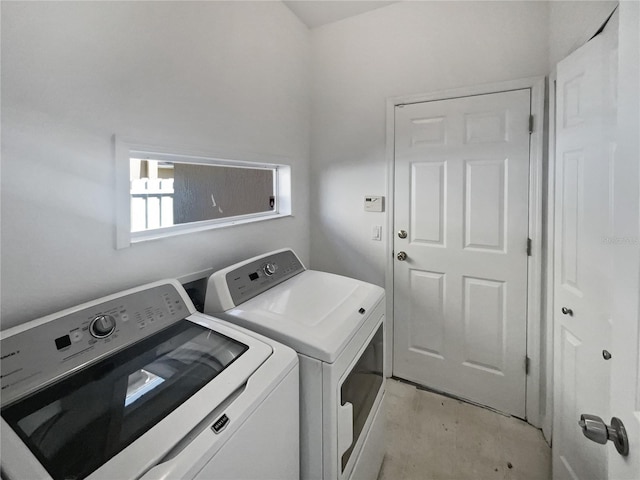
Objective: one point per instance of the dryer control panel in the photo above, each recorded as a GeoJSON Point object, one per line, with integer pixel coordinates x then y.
{"type": "Point", "coordinates": [252, 279]}
{"type": "Point", "coordinates": [42, 351]}
{"type": "Point", "coordinates": [238, 283]}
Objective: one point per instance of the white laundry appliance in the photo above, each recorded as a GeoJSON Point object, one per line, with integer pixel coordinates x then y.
{"type": "Point", "coordinates": [138, 385]}
{"type": "Point", "coordinates": [336, 324]}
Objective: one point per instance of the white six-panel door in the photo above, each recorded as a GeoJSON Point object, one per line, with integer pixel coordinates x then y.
{"type": "Point", "coordinates": [625, 364]}
{"type": "Point", "coordinates": [460, 297]}
{"type": "Point", "coordinates": [584, 163]}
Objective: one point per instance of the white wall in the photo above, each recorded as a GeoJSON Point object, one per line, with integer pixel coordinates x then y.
{"type": "Point", "coordinates": [402, 49]}
{"type": "Point", "coordinates": [572, 24]}
{"type": "Point", "coordinates": [405, 48]}
{"type": "Point", "coordinates": [209, 76]}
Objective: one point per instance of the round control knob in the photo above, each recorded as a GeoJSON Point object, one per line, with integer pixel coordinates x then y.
{"type": "Point", "coordinates": [102, 326]}
{"type": "Point", "coordinates": [269, 269]}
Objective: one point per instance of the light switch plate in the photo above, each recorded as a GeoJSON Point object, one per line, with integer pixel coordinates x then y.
{"type": "Point", "coordinates": [373, 204]}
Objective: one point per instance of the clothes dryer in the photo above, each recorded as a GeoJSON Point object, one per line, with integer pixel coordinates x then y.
{"type": "Point", "coordinates": [336, 324]}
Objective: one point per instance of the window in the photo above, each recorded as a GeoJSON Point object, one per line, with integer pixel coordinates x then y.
{"type": "Point", "coordinates": [162, 194]}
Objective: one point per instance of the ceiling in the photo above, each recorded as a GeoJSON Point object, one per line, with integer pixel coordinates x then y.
{"type": "Point", "coordinates": [315, 13]}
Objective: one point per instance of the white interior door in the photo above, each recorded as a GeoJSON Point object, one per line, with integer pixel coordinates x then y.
{"type": "Point", "coordinates": [460, 295]}
{"type": "Point", "coordinates": [625, 348]}
{"type": "Point", "coordinates": [585, 148]}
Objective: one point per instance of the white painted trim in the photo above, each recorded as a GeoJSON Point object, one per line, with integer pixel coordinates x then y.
{"type": "Point", "coordinates": [530, 82]}
{"type": "Point", "coordinates": [122, 201]}
{"type": "Point", "coordinates": [534, 304]}
{"type": "Point", "coordinates": [388, 278]}
{"type": "Point", "coordinates": [124, 149]}
{"type": "Point", "coordinates": [536, 156]}
{"type": "Point", "coordinates": [193, 227]}
{"type": "Point", "coordinates": [547, 419]}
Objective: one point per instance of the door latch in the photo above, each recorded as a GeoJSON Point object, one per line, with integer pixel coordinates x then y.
{"type": "Point", "coordinates": [596, 430]}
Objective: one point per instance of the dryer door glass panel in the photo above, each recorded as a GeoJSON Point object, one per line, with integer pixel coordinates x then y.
{"type": "Point", "coordinates": [361, 388]}
{"type": "Point", "coordinates": [77, 424]}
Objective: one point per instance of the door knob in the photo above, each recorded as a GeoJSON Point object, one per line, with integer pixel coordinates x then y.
{"type": "Point", "coordinates": [402, 234]}
{"type": "Point", "coordinates": [597, 431]}
{"type": "Point", "coordinates": [567, 311]}
{"type": "Point", "coordinates": [401, 256]}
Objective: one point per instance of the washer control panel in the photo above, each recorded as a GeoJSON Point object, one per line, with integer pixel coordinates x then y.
{"type": "Point", "coordinates": [259, 275]}
{"type": "Point", "coordinates": [43, 350]}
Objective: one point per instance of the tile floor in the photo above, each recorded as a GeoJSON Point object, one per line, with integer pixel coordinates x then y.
{"type": "Point", "coordinates": [432, 437]}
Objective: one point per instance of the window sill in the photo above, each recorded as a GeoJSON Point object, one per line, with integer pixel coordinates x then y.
{"type": "Point", "coordinates": [159, 233]}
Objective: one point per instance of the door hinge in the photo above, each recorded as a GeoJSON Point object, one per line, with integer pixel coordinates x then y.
{"type": "Point", "coordinates": [528, 247]}
{"type": "Point", "coordinates": [530, 123]}
{"type": "Point", "coordinates": [526, 365]}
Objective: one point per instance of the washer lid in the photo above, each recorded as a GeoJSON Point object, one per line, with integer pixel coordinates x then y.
{"type": "Point", "coordinates": [315, 313]}
{"type": "Point", "coordinates": [120, 415]}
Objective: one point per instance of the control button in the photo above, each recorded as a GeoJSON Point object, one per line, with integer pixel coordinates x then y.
{"type": "Point", "coordinates": [76, 336]}
{"type": "Point", "coordinates": [361, 311]}
{"type": "Point", "coordinates": [124, 317]}
{"type": "Point", "coordinates": [102, 326]}
{"type": "Point", "coordinates": [269, 269]}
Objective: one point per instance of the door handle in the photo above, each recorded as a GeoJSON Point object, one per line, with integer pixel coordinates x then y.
{"type": "Point", "coordinates": [402, 256]}
{"type": "Point", "coordinates": [567, 311]}
{"type": "Point", "coordinates": [596, 430]}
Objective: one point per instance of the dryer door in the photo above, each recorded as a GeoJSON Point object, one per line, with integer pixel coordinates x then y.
{"type": "Point", "coordinates": [358, 393]}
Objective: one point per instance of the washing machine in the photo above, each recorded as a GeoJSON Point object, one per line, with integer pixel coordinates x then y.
{"type": "Point", "coordinates": [138, 385]}
{"type": "Point", "coordinates": [336, 324]}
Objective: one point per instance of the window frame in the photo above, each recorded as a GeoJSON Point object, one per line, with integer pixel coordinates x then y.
{"type": "Point", "coordinates": [124, 150]}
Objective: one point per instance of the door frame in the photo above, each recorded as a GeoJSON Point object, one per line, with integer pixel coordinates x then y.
{"type": "Point", "coordinates": [536, 377]}
{"type": "Point", "coordinates": [549, 257]}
